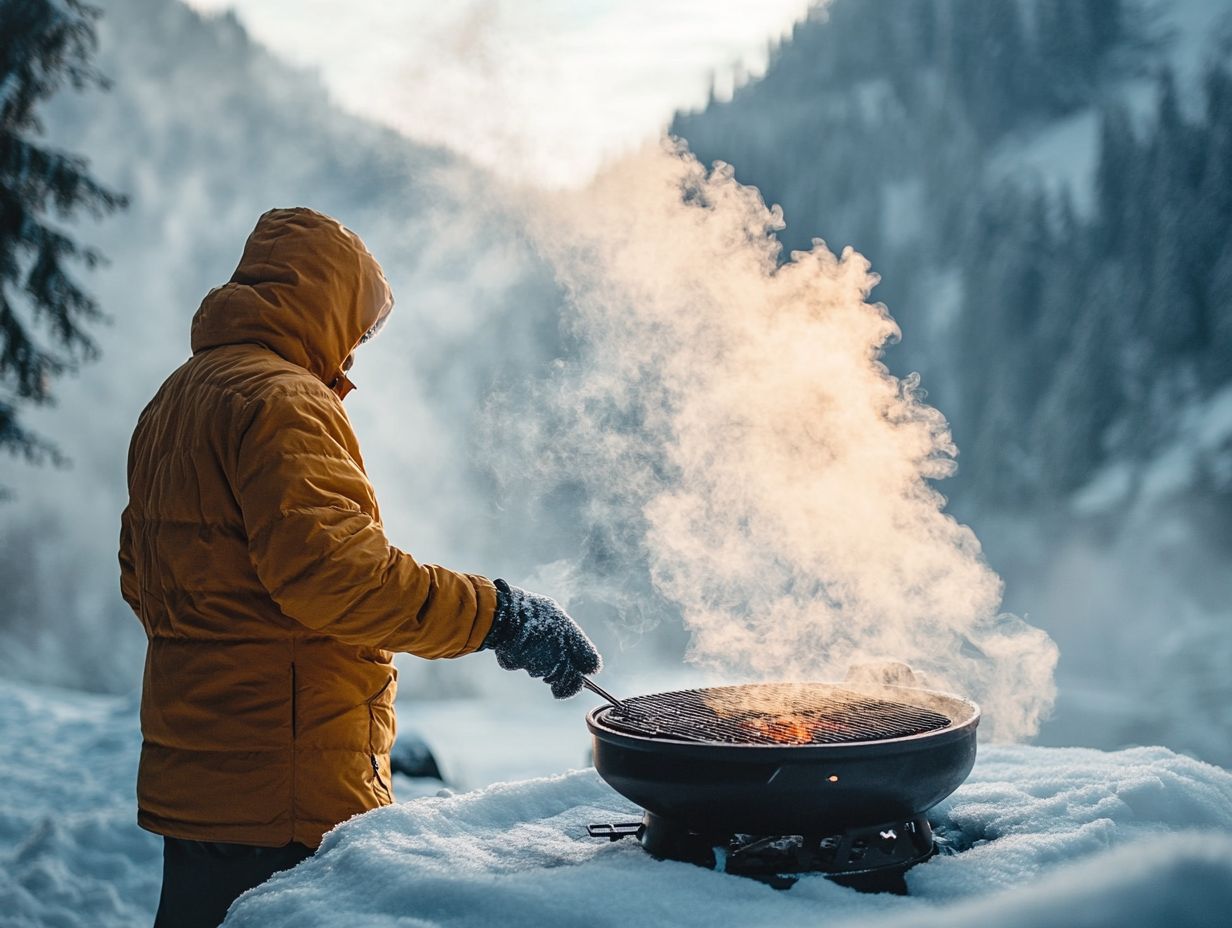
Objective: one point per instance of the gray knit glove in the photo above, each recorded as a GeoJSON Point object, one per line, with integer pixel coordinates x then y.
{"type": "Point", "coordinates": [533, 633]}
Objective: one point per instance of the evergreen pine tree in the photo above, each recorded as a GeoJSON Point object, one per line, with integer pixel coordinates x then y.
{"type": "Point", "coordinates": [1066, 51]}
{"type": "Point", "coordinates": [44, 314]}
{"type": "Point", "coordinates": [1218, 361]}
{"type": "Point", "coordinates": [1106, 24]}
{"type": "Point", "coordinates": [1115, 184]}
{"type": "Point", "coordinates": [991, 68]}
{"type": "Point", "coordinates": [1083, 396]}
{"type": "Point", "coordinates": [1173, 309]}
{"type": "Point", "coordinates": [1213, 226]}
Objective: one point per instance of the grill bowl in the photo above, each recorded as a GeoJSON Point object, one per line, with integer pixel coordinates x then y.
{"type": "Point", "coordinates": [718, 788]}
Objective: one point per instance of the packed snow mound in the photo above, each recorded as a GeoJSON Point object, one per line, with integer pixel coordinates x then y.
{"type": "Point", "coordinates": [1035, 837]}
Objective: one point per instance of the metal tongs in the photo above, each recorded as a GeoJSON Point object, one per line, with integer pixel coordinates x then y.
{"type": "Point", "coordinates": [602, 693]}
{"type": "Point", "coordinates": [618, 704]}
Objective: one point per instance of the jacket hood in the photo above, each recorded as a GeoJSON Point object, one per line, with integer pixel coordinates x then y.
{"type": "Point", "coordinates": [306, 288]}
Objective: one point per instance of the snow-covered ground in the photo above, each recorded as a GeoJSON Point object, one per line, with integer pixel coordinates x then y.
{"type": "Point", "coordinates": [1042, 837]}
{"type": "Point", "coordinates": [1047, 837]}
{"type": "Point", "coordinates": [71, 853]}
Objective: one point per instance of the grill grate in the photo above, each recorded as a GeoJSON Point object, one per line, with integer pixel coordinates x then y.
{"type": "Point", "coordinates": [772, 714]}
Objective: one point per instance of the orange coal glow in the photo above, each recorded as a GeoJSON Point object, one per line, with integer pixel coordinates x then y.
{"type": "Point", "coordinates": [796, 728]}
{"type": "Point", "coordinates": [787, 729]}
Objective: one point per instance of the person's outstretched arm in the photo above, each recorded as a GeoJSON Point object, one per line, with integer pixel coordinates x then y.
{"type": "Point", "coordinates": [310, 515]}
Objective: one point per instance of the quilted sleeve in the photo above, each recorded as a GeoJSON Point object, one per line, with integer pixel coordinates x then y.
{"type": "Point", "coordinates": [319, 549]}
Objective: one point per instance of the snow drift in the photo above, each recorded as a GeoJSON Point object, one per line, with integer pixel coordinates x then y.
{"type": "Point", "coordinates": [1035, 837]}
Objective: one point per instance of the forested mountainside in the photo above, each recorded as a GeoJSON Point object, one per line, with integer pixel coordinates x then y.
{"type": "Point", "coordinates": [1050, 212]}
{"type": "Point", "coordinates": [204, 130]}
{"type": "Point", "coordinates": [1044, 187]}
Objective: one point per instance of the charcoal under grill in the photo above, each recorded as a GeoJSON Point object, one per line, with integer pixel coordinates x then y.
{"type": "Point", "coordinates": [847, 771]}
{"type": "Point", "coordinates": [772, 714]}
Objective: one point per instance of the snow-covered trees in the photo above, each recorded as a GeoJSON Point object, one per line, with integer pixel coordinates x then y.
{"type": "Point", "coordinates": [1058, 252]}
{"type": "Point", "coordinates": [44, 314]}
{"type": "Point", "coordinates": [1080, 325]}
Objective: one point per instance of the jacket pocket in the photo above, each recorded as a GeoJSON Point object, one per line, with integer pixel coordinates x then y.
{"type": "Point", "coordinates": [380, 786]}
{"type": "Point", "coordinates": [381, 721]}
{"type": "Point", "coordinates": [381, 730]}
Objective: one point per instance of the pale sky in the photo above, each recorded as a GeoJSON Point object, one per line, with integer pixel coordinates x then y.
{"type": "Point", "coordinates": [540, 90]}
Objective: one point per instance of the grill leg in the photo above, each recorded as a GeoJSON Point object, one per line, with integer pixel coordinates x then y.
{"type": "Point", "coordinates": [664, 838]}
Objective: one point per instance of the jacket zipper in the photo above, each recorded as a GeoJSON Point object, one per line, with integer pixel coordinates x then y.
{"type": "Point", "coordinates": [376, 764]}
{"type": "Point", "coordinates": [376, 772]}
{"type": "Point", "coordinates": [294, 695]}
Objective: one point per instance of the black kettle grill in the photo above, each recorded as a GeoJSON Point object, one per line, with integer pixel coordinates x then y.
{"type": "Point", "coordinates": [776, 778]}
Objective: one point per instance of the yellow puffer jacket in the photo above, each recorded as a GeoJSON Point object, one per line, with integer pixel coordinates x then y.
{"type": "Point", "coordinates": [253, 552]}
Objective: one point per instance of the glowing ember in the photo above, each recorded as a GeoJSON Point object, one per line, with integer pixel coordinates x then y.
{"type": "Point", "coordinates": [788, 729]}
{"type": "Point", "coordinates": [797, 728]}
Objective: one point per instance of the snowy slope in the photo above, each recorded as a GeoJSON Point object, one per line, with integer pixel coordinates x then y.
{"type": "Point", "coordinates": [1041, 837]}
{"type": "Point", "coordinates": [1062, 154]}
{"type": "Point", "coordinates": [1047, 837]}
{"type": "Point", "coordinates": [70, 849]}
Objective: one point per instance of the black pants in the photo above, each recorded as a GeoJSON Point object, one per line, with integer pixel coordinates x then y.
{"type": "Point", "coordinates": [202, 878]}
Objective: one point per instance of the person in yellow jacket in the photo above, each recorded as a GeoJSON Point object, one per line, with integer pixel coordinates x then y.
{"type": "Point", "coordinates": [253, 552]}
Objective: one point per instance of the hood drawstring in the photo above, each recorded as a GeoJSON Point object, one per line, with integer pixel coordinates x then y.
{"type": "Point", "coordinates": [341, 385]}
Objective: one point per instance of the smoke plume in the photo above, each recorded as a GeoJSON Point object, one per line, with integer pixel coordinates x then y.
{"type": "Point", "coordinates": [737, 436]}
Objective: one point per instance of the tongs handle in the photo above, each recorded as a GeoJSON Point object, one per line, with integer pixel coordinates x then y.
{"type": "Point", "coordinates": [602, 693]}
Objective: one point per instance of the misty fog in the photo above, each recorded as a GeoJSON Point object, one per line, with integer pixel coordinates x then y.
{"type": "Point", "coordinates": [633, 394]}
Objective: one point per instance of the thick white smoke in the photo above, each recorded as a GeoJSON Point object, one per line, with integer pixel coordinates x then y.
{"type": "Point", "coordinates": [735, 430]}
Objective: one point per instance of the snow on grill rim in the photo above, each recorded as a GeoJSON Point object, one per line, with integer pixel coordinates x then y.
{"type": "Point", "coordinates": [755, 713]}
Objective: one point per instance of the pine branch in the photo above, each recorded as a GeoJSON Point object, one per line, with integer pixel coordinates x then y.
{"type": "Point", "coordinates": [47, 44]}
{"type": "Point", "coordinates": [16, 440]}
{"type": "Point", "coordinates": [39, 178]}
{"type": "Point", "coordinates": [62, 35]}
